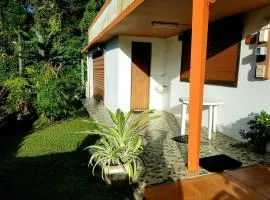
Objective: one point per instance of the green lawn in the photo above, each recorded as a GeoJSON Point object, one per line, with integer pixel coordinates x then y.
{"type": "Point", "coordinates": [50, 164]}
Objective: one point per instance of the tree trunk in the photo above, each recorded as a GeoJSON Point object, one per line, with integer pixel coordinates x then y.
{"type": "Point", "coordinates": [20, 54]}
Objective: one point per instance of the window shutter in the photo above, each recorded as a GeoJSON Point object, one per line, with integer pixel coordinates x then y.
{"type": "Point", "coordinates": [223, 46]}
{"type": "Point", "coordinates": [98, 73]}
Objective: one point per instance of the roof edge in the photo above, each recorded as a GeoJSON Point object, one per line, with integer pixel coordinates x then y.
{"type": "Point", "coordinates": [116, 21]}
{"type": "Point", "coordinates": [107, 2]}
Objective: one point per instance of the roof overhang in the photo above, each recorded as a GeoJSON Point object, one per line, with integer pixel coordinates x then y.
{"type": "Point", "coordinates": [136, 17]}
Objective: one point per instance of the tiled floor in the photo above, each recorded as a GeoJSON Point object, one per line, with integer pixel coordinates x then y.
{"type": "Point", "coordinates": [252, 183]}
{"type": "Point", "coordinates": [166, 159]}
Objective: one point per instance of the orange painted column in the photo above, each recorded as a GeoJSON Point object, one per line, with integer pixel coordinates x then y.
{"type": "Point", "coordinates": [200, 17]}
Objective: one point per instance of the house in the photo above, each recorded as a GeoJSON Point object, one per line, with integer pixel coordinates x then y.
{"type": "Point", "coordinates": [139, 58]}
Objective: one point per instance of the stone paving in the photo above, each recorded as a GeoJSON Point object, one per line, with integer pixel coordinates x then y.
{"type": "Point", "coordinates": [166, 158]}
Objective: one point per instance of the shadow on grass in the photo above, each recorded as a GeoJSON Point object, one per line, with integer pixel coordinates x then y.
{"type": "Point", "coordinates": [53, 176]}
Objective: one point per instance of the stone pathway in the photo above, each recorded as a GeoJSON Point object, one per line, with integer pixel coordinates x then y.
{"type": "Point", "coordinates": [166, 158]}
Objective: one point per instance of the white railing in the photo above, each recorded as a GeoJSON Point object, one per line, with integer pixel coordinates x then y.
{"type": "Point", "coordinates": [111, 12]}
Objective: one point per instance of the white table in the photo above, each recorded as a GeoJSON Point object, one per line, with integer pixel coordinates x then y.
{"type": "Point", "coordinates": [212, 114]}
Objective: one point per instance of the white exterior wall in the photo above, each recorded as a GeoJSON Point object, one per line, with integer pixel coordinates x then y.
{"type": "Point", "coordinates": [250, 96]}
{"type": "Point", "coordinates": [117, 84]}
{"type": "Point", "coordinates": [111, 82]}
{"type": "Point", "coordinates": [172, 71]}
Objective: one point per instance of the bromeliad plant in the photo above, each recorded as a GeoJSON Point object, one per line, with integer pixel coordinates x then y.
{"type": "Point", "coordinates": [120, 145]}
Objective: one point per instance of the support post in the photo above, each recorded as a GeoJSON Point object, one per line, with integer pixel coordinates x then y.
{"type": "Point", "coordinates": [200, 17]}
{"type": "Point", "coordinates": [89, 85]}
{"type": "Point", "coordinates": [82, 72]}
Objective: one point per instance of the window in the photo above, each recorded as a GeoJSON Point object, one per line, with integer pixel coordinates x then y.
{"type": "Point", "coordinates": [224, 37]}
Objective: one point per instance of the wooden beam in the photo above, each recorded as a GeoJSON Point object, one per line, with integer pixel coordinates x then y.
{"type": "Point", "coordinates": [200, 18]}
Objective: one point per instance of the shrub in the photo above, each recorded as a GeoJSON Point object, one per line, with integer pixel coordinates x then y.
{"type": "Point", "coordinates": [3, 95]}
{"type": "Point", "coordinates": [259, 134]}
{"type": "Point", "coordinates": [51, 93]}
{"type": "Point", "coordinates": [8, 66]}
{"type": "Point", "coordinates": [57, 94]}
{"type": "Point", "coordinates": [19, 100]}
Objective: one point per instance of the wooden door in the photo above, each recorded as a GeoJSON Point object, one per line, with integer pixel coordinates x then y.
{"type": "Point", "coordinates": [98, 72]}
{"type": "Point", "coordinates": [140, 78]}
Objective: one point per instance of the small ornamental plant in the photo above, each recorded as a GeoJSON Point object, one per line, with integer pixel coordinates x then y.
{"type": "Point", "coordinates": [119, 149]}
{"type": "Point", "coordinates": [258, 134]}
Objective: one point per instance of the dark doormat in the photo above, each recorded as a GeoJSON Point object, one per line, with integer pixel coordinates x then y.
{"type": "Point", "coordinates": [182, 139]}
{"type": "Point", "coordinates": [219, 163]}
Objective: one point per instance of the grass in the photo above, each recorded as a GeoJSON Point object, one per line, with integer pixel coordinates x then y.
{"type": "Point", "coordinates": [50, 164]}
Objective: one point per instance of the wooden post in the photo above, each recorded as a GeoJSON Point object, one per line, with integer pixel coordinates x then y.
{"type": "Point", "coordinates": [200, 17]}
{"type": "Point", "coordinates": [82, 71]}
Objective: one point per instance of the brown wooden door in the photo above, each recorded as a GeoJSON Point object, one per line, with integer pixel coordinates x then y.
{"type": "Point", "coordinates": [140, 78]}
{"type": "Point", "coordinates": [98, 72]}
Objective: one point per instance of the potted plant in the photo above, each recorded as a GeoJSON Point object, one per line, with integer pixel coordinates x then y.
{"type": "Point", "coordinates": [258, 135]}
{"type": "Point", "coordinates": [119, 149]}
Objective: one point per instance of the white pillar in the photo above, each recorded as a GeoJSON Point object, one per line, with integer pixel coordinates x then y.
{"type": "Point", "coordinates": [90, 81]}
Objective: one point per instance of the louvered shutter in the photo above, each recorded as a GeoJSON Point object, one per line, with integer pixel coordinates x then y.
{"type": "Point", "coordinates": [98, 68]}
{"type": "Point", "coordinates": [223, 46]}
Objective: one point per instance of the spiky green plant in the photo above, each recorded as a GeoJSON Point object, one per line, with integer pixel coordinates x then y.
{"type": "Point", "coordinates": [120, 144]}
{"type": "Point", "coordinates": [3, 94]}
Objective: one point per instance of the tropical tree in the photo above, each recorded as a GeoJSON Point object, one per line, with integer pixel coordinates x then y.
{"type": "Point", "coordinates": [38, 37]}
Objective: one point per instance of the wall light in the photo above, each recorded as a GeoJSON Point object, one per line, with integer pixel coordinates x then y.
{"type": "Point", "coordinates": [164, 25]}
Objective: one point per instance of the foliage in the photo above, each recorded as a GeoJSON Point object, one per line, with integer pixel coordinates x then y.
{"type": "Point", "coordinates": [259, 134]}
{"type": "Point", "coordinates": [42, 122]}
{"type": "Point", "coordinates": [8, 66]}
{"type": "Point", "coordinates": [43, 49]}
{"type": "Point", "coordinates": [3, 94]}
{"type": "Point", "coordinates": [19, 98]}
{"type": "Point", "coordinates": [92, 8]}
{"type": "Point", "coordinates": [120, 144]}
{"type": "Point", "coordinates": [46, 38]}
{"type": "Point", "coordinates": [57, 94]}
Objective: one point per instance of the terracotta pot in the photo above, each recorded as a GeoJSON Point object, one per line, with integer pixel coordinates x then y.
{"type": "Point", "coordinates": [117, 177]}
{"type": "Point", "coordinates": [251, 39]}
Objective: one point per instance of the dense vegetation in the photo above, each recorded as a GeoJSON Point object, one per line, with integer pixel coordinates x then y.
{"type": "Point", "coordinates": [40, 43]}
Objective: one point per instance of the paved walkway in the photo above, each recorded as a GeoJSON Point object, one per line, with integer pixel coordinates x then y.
{"type": "Point", "coordinates": [166, 159]}
{"type": "Point", "coordinates": [252, 183]}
